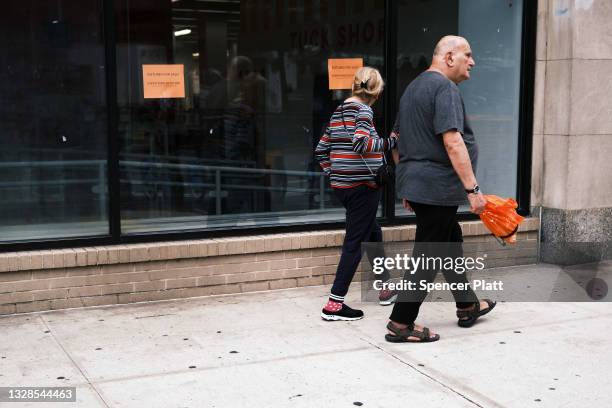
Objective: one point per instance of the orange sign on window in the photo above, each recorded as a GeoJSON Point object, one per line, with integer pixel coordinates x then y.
{"type": "Point", "coordinates": [163, 81]}
{"type": "Point", "coordinates": [342, 71]}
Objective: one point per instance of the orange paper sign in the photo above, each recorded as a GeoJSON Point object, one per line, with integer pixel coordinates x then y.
{"type": "Point", "coordinates": [163, 81]}
{"type": "Point", "coordinates": [342, 71]}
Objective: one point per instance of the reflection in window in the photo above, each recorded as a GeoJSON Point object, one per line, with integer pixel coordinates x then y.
{"type": "Point", "coordinates": [237, 150]}
{"type": "Point", "coordinates": [52, 120]}
{"type": "Point", "coordinates": [492, 94]}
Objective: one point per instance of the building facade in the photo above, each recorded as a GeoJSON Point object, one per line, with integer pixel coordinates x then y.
{"type": "Point", "coordinates": [163, 149]}
{"type": "Point", "coordinates": [572, 128]}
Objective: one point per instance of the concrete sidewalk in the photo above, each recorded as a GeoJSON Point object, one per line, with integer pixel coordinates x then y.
{"type": "Point", "coordinates": [273, 350]}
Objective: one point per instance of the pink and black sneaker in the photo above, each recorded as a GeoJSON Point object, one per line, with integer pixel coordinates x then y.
{"type": "Point", "coordinates": [387, 297]}
{"type": "Point", "coordinates": [343, 313]}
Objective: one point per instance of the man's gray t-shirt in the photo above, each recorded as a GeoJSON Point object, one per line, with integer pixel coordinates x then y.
{"type": "Point", "coordinates": [430, 106]}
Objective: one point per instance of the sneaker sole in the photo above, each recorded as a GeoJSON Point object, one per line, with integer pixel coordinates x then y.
{"type": "Point", "coordinates": [389, 301]}
{"type": "Point", "coordinates": [332, 318]}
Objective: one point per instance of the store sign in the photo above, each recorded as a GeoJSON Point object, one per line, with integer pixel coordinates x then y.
{"type": "Point", "coordinates": [355, 34]}
{"type": "Point", "coordinates": [342, 71]}
{"type": "Point", "coordinates": [163, 81]}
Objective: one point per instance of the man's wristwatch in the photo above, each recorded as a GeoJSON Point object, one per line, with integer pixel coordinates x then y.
{"type": "Point", "coordinates": [475, 190]}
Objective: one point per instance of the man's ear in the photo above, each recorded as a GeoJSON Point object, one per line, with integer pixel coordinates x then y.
{"type": "Point", "coordinates": [450, 61]}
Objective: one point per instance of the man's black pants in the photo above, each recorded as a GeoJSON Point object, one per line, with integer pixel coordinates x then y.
{"type": "Point", "coordinates": [435, 224]}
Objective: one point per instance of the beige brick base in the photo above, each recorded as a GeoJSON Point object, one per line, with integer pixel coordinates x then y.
{"type": "Point", "coordinates": [60, 279]}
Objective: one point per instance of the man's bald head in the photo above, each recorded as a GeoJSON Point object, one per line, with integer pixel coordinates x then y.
{"type": "Point", "coordinates": [452, 57]}
{"type": "Point", "coordinates": [448, 43]}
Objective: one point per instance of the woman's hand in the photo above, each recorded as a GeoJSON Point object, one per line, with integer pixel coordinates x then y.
{"type": "Point", "coordinates": [406, 205]}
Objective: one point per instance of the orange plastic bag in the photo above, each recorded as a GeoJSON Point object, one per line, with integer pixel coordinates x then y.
{"type": "Point", "coordinates": [501, 218]}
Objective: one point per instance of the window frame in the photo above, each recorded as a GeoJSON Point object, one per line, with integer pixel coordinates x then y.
{"type": "Point", "coordinates": [525, 140]}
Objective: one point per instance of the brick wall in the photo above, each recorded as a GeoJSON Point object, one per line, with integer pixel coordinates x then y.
{"type": "Point", "coordinates": [60, 279]}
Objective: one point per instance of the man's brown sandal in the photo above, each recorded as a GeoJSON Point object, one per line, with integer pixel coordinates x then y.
{"type": "Point", "coordinates": [467, 318]}
{"type": "Point", "coordinates": [403, 335]}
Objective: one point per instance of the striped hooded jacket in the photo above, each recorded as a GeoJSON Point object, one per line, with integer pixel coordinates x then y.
{"type": "Point", "coordinates": [350, 140]}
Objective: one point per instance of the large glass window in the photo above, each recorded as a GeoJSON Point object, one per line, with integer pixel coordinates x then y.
{"type": "Point", "coordinates": [231, 143]}
{"type": "Point", "coordinates": [491, 96]}
{"type": "Point", "coordinates": [220, 106]}
{"type": "Point", "coordinates": [52, 120]}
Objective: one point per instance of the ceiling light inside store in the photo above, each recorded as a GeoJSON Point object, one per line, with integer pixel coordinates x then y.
{"type": "Point", "coordinates": [196, 54]}
{"type": "Point", "coordinates": [182, 32]}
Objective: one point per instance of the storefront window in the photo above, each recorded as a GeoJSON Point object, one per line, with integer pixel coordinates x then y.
{"type": "Point", "coordinates": [53, 161]}
{"type": "Point", "coordinates": [233, 145]}
{"type": "Point", "coordinates": [491, 96]}
{"type": "Point", "coordinates": [220, 104]}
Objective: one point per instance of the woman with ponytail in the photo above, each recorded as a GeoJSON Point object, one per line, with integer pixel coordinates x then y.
{"type": "Point", "coordinates": [349, 152]}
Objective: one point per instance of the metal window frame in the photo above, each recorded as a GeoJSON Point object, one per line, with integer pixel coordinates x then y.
{"type": "Point", "coordinates": [528, 58]}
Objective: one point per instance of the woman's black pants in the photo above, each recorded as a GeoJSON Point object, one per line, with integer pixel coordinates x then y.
{"type": "Point", "coordinates": [361, 204]}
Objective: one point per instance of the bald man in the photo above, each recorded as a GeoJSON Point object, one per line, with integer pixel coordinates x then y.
{"type": "Point", "coordinates": [435, 174]}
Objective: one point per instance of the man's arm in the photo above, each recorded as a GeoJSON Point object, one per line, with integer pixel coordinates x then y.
{"type": "Point", "coordinates": [460, 159]}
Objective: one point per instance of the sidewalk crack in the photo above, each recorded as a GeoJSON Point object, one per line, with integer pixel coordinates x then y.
{"type": "Point", "coordinates": [421, 372]}
{"type": "Point", "coordinates": [74, 362]}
